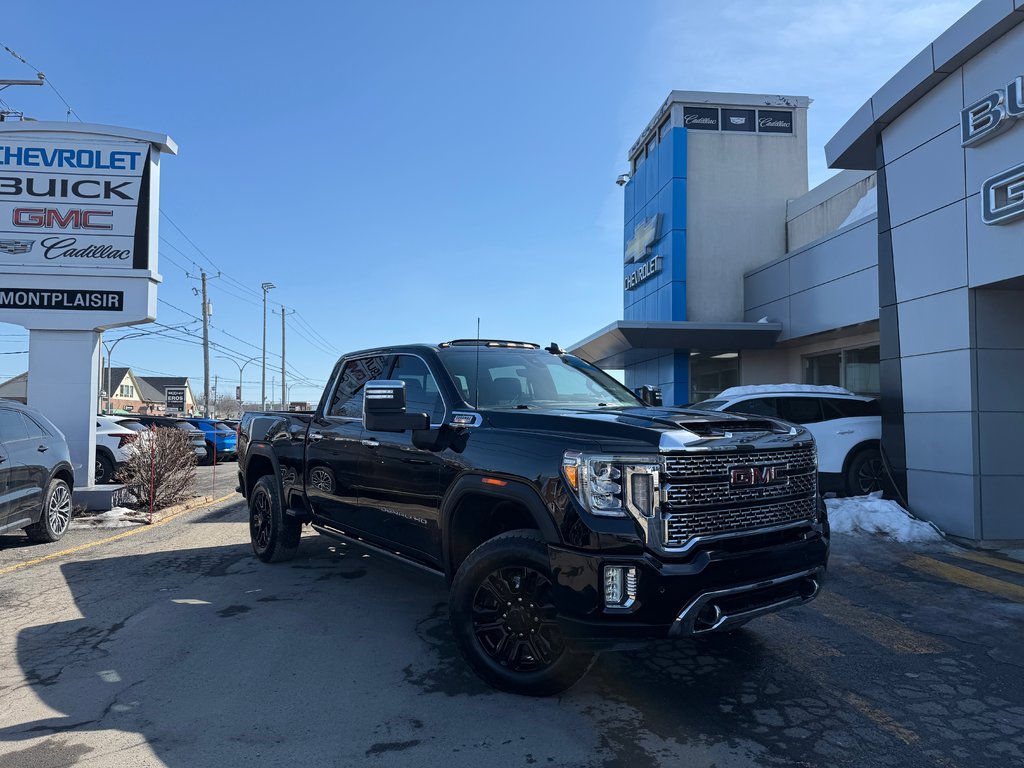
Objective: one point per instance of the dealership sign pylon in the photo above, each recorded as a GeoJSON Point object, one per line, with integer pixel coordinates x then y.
{"type": "Point", "coordinates": [79, 215]}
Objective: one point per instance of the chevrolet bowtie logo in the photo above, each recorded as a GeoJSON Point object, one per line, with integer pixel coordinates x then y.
{"type": "Point", "coordinates": [646, 232]}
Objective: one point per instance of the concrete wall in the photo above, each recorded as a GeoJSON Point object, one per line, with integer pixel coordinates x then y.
{"type": "Point", "coordinates": [823, 210]}
{"type": "Point", "coordinates": [951, 355]}
{"type": "Point", "coordinates": [736, 211]}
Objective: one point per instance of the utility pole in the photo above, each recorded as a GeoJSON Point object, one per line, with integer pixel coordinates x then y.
{"type": "Point", "coordinates": [263, 378]}
{"type": "Point", "coordinates": [284, 399]}
{"type": "Point", "coordinates": [207, 311]}
{"type": "Point", "coordinates": [206, 348]}
{"type": "Point", "coordinates": [214, 397]}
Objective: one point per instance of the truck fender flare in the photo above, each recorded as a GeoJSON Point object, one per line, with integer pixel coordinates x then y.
{"type": "Point", "coordinates": [264, 452]}
{"type": "Point", "coordinates": [513, 490]}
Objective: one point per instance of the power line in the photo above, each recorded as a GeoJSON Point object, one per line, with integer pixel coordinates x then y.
{"type": "Point", "coordinates": [42, 77]}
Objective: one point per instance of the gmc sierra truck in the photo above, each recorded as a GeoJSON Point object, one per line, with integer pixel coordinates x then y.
{"type": "Point", "coordinates": [568, 514]}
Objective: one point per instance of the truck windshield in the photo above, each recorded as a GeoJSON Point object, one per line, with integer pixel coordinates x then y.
{"type": "Point", "coordinates": [524, 378]}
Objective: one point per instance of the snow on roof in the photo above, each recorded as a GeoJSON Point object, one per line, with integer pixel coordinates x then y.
{"type": "Point", "coordinates": [760, 389]}
{"type": "Point", "coordinates": [873, 514]}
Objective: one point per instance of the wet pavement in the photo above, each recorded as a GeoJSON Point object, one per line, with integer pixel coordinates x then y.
{"type": "Point", "coordinates": [176, 647]}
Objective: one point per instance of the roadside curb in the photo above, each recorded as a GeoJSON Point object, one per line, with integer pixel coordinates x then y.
{"type": "Point", "coordinates": [172, 513]}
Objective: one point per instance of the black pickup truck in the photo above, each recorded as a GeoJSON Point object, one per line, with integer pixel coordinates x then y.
{"type": "Point", "coordinates": [568, 514]}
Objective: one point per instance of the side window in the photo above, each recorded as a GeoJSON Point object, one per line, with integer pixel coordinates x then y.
{"type": "Point", "coordinates": [760, 406]}
{"type": "Point", "coordinates": [12, 426]}
{"type": "Point", "coordinates": [347, 399]}
{"type": "Point", "coordinates": [34, 430]}
{"type": "Point", "coordinates": [421, 392]}
{"type": "Point", "coordinates": [837, 408]}
{"type": "Point", "coordinates": [801, 410]}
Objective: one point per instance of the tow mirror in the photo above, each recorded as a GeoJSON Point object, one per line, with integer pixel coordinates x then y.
{"type": "Point", "coordinates": [649, 395]}
{"type": "Point", "coordinates": [384, 408]}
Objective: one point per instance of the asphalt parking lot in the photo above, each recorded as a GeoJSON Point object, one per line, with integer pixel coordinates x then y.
{"type": "Point", "coordinates": [173, 646]}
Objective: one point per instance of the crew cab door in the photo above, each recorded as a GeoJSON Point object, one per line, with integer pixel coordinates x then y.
{"type": "Point", "coordinates": [401, 483]}
{"type": "Point", "coordinates": [335, 449]}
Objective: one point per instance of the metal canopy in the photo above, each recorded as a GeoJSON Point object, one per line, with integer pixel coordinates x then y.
{"type": "Point", "coordinates": [626, 342]}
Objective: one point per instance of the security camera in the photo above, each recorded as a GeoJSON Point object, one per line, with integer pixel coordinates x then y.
{"type": "Point", "coordinates": [623, 179]}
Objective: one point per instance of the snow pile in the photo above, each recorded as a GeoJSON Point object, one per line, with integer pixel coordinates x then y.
{"type": "Point", "coordinates": [873, 514]}
{"type": "Point", "coordinates": [759, 389]}
{"type": "Point", "coordinates": [118, 517]}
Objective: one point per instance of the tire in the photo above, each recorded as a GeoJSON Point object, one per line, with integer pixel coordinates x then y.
{"type": "Point", "coordinates": [105, 469]}
{"type": "Point", "coordinates": [55, 516]}
{"type": "Point", "coordinates": [207, 458]}
{"type": "Point", "coordinates": [274, 535]}
{"type": "Point", "coordinates": [512, 568]}
{"type": "Point", "coordinates": [866, 473]}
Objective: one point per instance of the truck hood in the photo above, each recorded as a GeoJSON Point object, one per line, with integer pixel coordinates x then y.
{"type": "Point", "coordinates": [661, 429]}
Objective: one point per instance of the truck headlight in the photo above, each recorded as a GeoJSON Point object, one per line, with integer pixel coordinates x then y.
{"type": "Point", "coordinates": [614, 486]}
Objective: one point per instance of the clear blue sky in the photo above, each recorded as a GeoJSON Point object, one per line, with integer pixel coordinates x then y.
{"type": "Point", "coordinates": [399, 168]}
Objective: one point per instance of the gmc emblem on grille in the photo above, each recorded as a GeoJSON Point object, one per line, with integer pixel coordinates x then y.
{"type": "Point", "coordinates": [741, 477]}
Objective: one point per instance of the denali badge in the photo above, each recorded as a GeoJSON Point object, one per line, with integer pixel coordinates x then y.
{"type": "Point", "coordinates": [743, 477]}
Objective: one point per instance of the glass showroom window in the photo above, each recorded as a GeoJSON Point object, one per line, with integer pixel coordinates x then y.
{"type": "Point", "coordinates": [711, 372]}
{"type": "Point", "coordinates": [855, 369]}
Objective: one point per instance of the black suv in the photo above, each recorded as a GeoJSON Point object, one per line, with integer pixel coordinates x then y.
{"type": "Point", "coordinates": [567, 514]}
{"type": "Point", "coordinates": [36, 477]}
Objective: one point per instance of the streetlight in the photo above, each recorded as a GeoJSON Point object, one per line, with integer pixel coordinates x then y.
{"type": "Point", "coordinates": [263, 379]}
{"type": "Point", "coordinates": [240, 369]}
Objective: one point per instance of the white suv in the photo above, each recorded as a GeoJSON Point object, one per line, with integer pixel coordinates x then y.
{"type": "Point", "coordinates": [116, 436]}
{"type": "Point", "coordinates": [846, 427]}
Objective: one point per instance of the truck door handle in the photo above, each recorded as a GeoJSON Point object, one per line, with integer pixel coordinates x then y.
{"type": "Point", "coordinates": [42, 449]}
{"type": "Point", "coordinates": [315, 436]}
{"type": "Point", "coordinates": [370, 443]}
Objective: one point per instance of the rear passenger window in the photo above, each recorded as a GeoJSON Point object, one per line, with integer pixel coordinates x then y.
{"type": "Point", "coordinates": [12, 426]}
{"type": "Point", "coordinates": [845, 409]}
{"type": "Point", "coordinates": [347, 399]}
{"type": "Point", "coordinates": [801, 410]}
{"type": "Point", "coordinates": [760, 406]}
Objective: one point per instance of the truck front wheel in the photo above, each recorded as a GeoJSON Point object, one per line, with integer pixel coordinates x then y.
{"type": "Point", "coordinates": [504, 620]}
{"type": "Point", "coordinates": [274, 535]}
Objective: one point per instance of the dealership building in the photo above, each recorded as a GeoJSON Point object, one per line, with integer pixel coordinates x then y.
{"type": "Point", "coordinates": [902, 276]}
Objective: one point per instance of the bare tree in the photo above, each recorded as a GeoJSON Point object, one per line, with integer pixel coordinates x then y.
{"type": "Point", "coordinates": [161, 471]}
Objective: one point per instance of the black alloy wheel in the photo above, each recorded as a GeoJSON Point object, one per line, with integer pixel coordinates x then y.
{"type": "Point", "coordinates": [274, 535]}
{"type": "Point", "coordinates": [866, 473]}
{"type": "Point", "coordinates": [514, 619]}
{"type": "Point", "coordinates": [505, 621]}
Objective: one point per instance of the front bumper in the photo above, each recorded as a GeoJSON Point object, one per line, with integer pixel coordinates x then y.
{"type": "Point", "coordinates": [712, 591]}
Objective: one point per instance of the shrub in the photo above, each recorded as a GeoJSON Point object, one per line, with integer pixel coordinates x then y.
{"type": "Point", "coordinates": [161, 471]}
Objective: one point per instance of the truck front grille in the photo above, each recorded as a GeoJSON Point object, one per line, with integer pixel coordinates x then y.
{"type": "Point", "coordinates": [683, 527]}
{"type": "Point", "coordinates": [719, 463]}
{"type": "Point", "coordinates": [703, 494]}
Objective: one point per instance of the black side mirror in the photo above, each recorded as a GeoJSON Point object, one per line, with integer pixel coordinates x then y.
{"type": "Point", "coordinates": [649, 395]}
{"type": "Point", "coordinates": [384, 408]}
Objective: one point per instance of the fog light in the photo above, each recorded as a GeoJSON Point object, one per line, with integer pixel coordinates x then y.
{"type": "Point", "coordinates": [619, 586]}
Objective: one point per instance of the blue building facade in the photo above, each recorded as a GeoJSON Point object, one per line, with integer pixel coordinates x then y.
{"type": "Point", "coordinates": [654, 247]}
